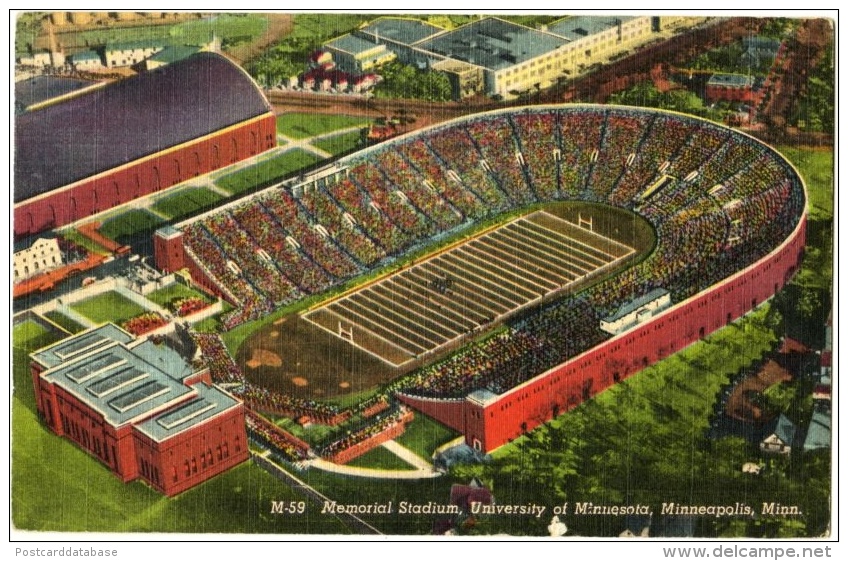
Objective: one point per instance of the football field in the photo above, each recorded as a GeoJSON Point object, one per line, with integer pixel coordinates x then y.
{"type": "Point", "coordinates": [468, 288]}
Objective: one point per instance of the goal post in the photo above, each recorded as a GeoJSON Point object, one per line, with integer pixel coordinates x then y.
{"type": "Point", "coordinates": [346, 334]}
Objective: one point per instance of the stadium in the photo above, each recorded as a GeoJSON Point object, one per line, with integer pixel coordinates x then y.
{"type": "Point", "coordinates": [494, 271]}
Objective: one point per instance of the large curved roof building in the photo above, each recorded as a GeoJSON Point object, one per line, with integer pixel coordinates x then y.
{"type": "Point", "coordinates": [727, 213]}
{"type": "Point", "coordinates": [133, 137]}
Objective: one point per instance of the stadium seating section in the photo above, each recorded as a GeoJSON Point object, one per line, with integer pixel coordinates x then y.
{"type": "Point", "coordinates": [718, 200]}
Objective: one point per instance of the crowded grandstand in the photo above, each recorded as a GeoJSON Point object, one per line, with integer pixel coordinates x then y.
{"type": "Point", "coordinates": [717, 202]}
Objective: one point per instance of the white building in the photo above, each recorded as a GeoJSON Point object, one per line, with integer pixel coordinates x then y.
{"type": "Point", "coordinates": [636, 311]}
{"type": "Point", "coordinates": [42, 256]}
{"type": "Point", "coordinates": [128, 54]}
{"type": "Point", "coordinates": [86, 60]}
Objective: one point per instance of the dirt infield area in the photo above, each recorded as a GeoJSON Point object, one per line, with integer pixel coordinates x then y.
{"type": "Point", "coordinates": [295, 357]}
{"type": "Point", "coordinates": [300, 358]}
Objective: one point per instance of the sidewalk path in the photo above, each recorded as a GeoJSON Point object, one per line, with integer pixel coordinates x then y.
{"type": "Point", "coordinates": [407, 455]}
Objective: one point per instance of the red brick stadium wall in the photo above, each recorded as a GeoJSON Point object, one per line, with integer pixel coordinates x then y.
{"type": "Point", "coordinates": [360, 448]}
{"type": "Point", "coordinates": [560, 389]}
{"type": "Point", "coordinates": [450, 412]}
{"type": "Point", "coordinates": [143, 177]}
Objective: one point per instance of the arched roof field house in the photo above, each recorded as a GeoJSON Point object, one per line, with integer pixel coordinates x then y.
{"type": "Point", "coordinates": [130, 119]}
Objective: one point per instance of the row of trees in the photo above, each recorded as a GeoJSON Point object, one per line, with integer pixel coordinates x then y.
{"type": "Point", "coordinates": [814, 111]}
{"type": "Point", "coordinates": [646, 94]}
{"type": "Point", "coordinates": [644, 441]}
{"type": "Point", "coordinates": [404, 81]}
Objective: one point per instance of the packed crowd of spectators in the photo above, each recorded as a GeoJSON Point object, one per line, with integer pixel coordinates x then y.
{"type": "Point", "coordinates": [296, 222]}
{"type": "Point", "coordinates": [370, 428]}
{"type": "Point", "coordinates": [278, 403]}
{"type": "Point", "coordinates": [434, 174]}
{"type": "Point", "coordinates": [402, 178]}
{"type": "Point", "coordinates": [622, 136]}
{"type": "Point", "coordinates": [222, 368]}
{"type": "Point", "coordinates": [499, 148]}
{"type": "Point", "coordinates": [541, 159]}
{"type": "Point", "coordinates": [666, 136]}
{"type": "Point", "coordinates": [455, 149]}
{"type": "Point", "coordinates": [742, 202]}
{"type": "Point", "coordinates": [277, 246]}
{"type": "Point", "coordinates": [267, 435]}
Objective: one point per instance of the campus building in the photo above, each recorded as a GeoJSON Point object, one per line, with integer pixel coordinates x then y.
{"type": "Point", "coordinates": [492, 55]}
{"type": "Point", "coordinates": [357, 55]}
{"type": "Point", "coordinates": [134, 137]}
{"type": "Point", "coordinates": [140, 407]}
{"type": "Point", "coordinates": [42, 256]}
{"type": "Point", "coordinates": [732, 87]}
{"type": "Point", "coordinates": [513, 57]}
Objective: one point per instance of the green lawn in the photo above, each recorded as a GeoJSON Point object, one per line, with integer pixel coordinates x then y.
{"type": "Point", "coordinates": [306, 125]}
{"type": "Point", "coordinates": [85, 497]}
{"type": "Point", "coordinates": [340, 143]}
{"type": "Point", "coordinates": [127, 224]}
{"type": "Point", "coordinates": [64, 321]}
{"type": "Point", "coordinates": [267, 171]}
{"type": "Point", "coordinates": [229, 28]}
{"type": "Point", "coordinates": [165, 296]}
{"type": "Point", "coordinates": [109, 306]}
{"type": "Point", "coordinates": [186, 201]}
{"type": "Point", "coordinates": [380, 458]}
{"type": "Point", "coordinates": [313, 434]}
{"type": "Point", "coordinates": [83, 241]}
{"type": "Point", "coordinates": [423, 435]}
{"type": "Point", "coordinates": [816, 167]}
{"type": "Point", "coordinates": [32, 335]}
{"type": "Point", "coordinates": [643, 441]}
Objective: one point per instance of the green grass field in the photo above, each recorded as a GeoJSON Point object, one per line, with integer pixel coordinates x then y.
{"type": "Point", "coordinates": [423, 435]}
{"type": "Point", "coordinates": [228, 27]}
{"type": "Point", "coordinates": [380, 458]}
{"type": "Point", "coordinates": [165, 296]}
{"type": "Point", "coordinates": [340, 143]}
{"type": "Point", "coordinates": [643, 442]}
{"type": "Point", "coordinates": [186, 201]}
{"type": "Point", "coordinates": [816, 167]}
{"type": "Point", "coordinates": [267, 171]}
{"type": "Point", "coordinates": [83, 241]}
{"type": "Point", "coordinates": [31, 335]}
{"type": "Point", "coordinates": [108, 306]}
{"type": "Point", "coordinates": [127, 224]}
{"type": "Point", "coordinates": [64, 321]}
{"type": "Point", "coordinates": [306, 125]}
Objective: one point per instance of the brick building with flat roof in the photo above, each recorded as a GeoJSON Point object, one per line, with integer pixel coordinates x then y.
{"type": "Point", "coordinates": [140, 407]}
